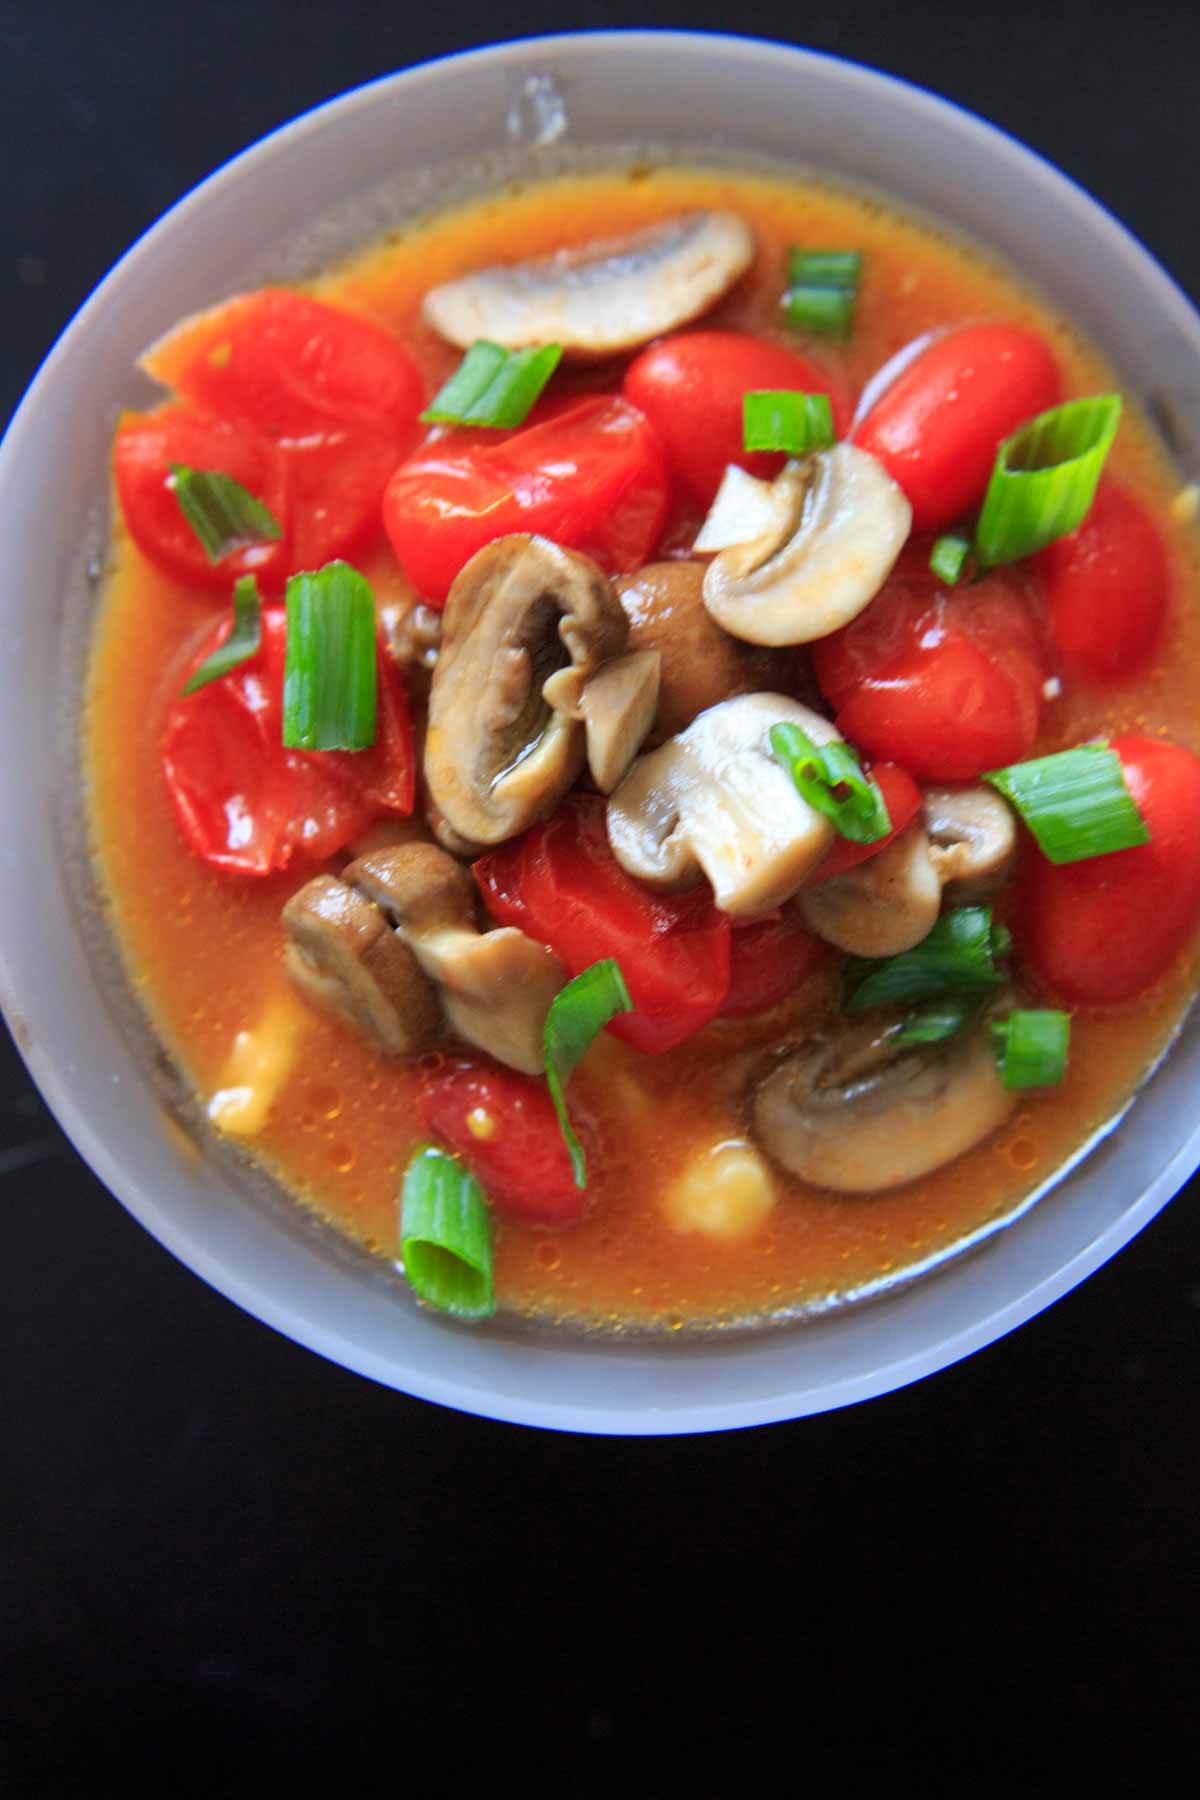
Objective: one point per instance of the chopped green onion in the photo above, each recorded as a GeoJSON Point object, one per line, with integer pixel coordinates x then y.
{"type": "Point", "coordinates": [958, 957]}
{"type": "Point", "coordinates": [831, 779]}
{"type": "Point", "coordinates": [948, 556]}
{"type": "Point", "coordinates": [222, 513]}
{"type": "Point", "coordinates": [1075, 802]}
{"type": "Point", "coordinates": [493, 386]}
{"type": "Point", "coordinates": [822, 289]}
{"type": "Point", "coordinates": [577, 1013]}
{"type": "Point", "coordinates": [1031, 1048]}
{"type": "Point", "coordinates": [778, 419]}
{"type": "Point", "coordinates": [329, 675]}
{"type": "Point", "coordinates": [243, 641]}
{"type": "Point", "coordinates": [446, 1235]}
{"type": "Point", "coordinates": [1044, 479]}
{"type": "Point", "coordinates": [936, 1020]}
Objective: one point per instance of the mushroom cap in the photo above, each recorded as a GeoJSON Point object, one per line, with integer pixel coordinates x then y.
{"type": "Point", "coordinates": [848, 1110]}
{"type": "Point", "coordinates": [972, 841]}
{"type": "Point", "coordinates": [715, 801]}
{"type": "Point", "coordinates": [418, 886]}
{"type": "Point", "coordinates": [602, 299]}
{"type": "Point", "coordinates": [881, 906]}
{"type": "Point", "coordinates": [342, 954]}
{"type": "Point", "coordinates": [525, 625]}
{"type": "Point", "coordinates": [832, 551]}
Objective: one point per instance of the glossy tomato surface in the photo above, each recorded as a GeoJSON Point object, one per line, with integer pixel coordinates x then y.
{"type": "Point", "coordinates": [505, 1128]}
{"type": "Point", "coordinates": [1107, 587]}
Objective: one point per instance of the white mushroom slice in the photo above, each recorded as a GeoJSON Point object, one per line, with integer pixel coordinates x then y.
{"type": "Point", "coordinates": [617, 707]}
{"type": "Point", "coordinates": [715, 801]}
{"type": "Point", "coordinates": [881, 906]}
{"type": "Point", "coordinates": [844, 526]}
{"type": "Point", "coordinates": [973, 841]}
{"type": "Point", "coordinates": [342, 955]}
{"type": "Point", "coordinates": [604, 298]}
{"type": "Point", "coordinates": [862, 1122]}
{"type": "Point", "coordinates": [746, 510]}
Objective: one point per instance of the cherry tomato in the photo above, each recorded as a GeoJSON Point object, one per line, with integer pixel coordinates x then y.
{"type": "Point", "coordinates": [948, 682]}
{"type": "Point", "coordinates": [290, 367]}
{"type": "Point", "coordinates": [147, 444]}
{"type": "Point", "coordinates": [1103, 930]}
{"type": "Point", "coordinates": [561, 883]}
{"type": "Point", "coordinates": [247, 805]}
{"type": "Point", "coordinates": [937, 428]}
{"type": "Point", "coordinates": [591, 476]}
{"type": "Point", "coordinates": [768, 959]}
{"type": "Point", "coordinates": [335, 485]}
{"type": "Point", "coordinates": [691, 386]}
{"type": "Point", "coordinates": [901, 796]}
{"type": "Point", "coordinates": [1106, 590]}
{"type": "Point", "coordinates": [523, 1165]}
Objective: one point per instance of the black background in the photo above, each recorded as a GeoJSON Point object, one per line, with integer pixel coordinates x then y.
{"type": "Point", "coordinates": [222, 1559]}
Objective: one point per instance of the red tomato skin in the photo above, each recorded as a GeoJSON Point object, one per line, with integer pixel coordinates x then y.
{"type": "Point", "coordinates": [937, 428]}
{"type": "Point", "coordinates": [946, 682]}
{"type": "Point", "coordinates": [690, 387]}
{"type": "Point", "coordinates": [591, 475]}
{"type": "Point", "coordinates": [901, 796]}
{"type": "Point", "coordinates": [561, 883]}
{"type": "Point", "coordinates": [246, 805]}
{"type": "Point", "coordinates": [768, 959]}
{"type": "Point", "coordinates": [146, 445]}
{"type": "Point", "coordinates": [523, 1168]}
{"type": "Point", "coordinates": [1107, 587]}
{"type": "Point", "coordinates": [1104, 930]}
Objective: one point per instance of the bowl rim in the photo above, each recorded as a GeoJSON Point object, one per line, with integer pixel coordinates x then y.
{"type": "Point", "coordinates": [20, 1000]}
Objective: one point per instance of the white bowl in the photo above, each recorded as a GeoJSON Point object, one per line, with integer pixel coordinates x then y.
{"type": "Point", "coordinates": [355, 166]}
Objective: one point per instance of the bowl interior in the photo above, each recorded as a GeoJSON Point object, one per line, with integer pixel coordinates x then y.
{"type": "Point", "coordinates": [355, 167]}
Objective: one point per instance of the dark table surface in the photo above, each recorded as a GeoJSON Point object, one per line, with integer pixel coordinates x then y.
{"type": "Point", "coordinates": [224, 1558]}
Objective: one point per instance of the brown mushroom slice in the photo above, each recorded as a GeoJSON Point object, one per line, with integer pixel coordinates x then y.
{"type": "Point", "coordinates": [503, 743]}
{"type": "Point", "coordinates": [843, 528]}
{"type": "Point", "coordinates": [617, 707]}
{"type": "Point", "coordinates": [715, 801]}
{"type": "Point", "coordinates": [881, 906]}
{"type": "Point", "coordinates": [604, 298]}
{"type": "Point", "coordinates": [342, 955]}
{"type": "Point", "coordinates": [972, 840]}
{"type": "Point", "coordinates": [856, 1115]}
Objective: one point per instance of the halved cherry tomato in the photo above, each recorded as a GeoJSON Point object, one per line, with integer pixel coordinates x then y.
{"type": "Point", "coordinates": [690, 387]}
{"type": "Point", "coordinates": [561, 883]}
{"type": "Point", "coordinates": [1103, 930]}
{"type": "Point", "coordinates": [901, 796]}
{"type": "Point", "coordinates": [147, 444]}
{"type": "Point", "coordinates": [1106, 589]}
{"type": "Point", "coordinates": [768, 959]}
{"type": "Point", "coordinates": [246, 804]}
{"type": "Point", "coordinates": [947, 682]}
{"type": "Point", "coordinates": [591, 476]}
{"type": "Point", "coordinates": [937, 428]}
{"type": "Point", "coordinates": [522, 1166]}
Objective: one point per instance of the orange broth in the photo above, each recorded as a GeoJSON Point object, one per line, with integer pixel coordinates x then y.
{"type": "Point", "coordinates": [204, 950]}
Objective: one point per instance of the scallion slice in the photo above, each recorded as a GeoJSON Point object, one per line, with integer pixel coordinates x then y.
{"type": "Point", "coordinates": [329, 675]}
{"type": "Point", "coordinates": [1031, 1048]}
{"type": "Point", "coordinates": [493, 386]}
{"type": "Point", "coordinates": [1044, 479]}
{"type": "Point", "coordinates": [936, 1020]}
{"type": "Point", "coordinates": [948, 556]}
{"type": "Point", "coordinates": [957, 958]}
{"type": "Point", "coordinates": [1075, 802]}
{"type": "Point", "coordinates": [778, 419]}
{"type": "Point", "coordinates": [822, 290]}
{"type": "Point", "coordinates": [224, 515]}
{"type": "Point", "coordinates": [446, 1235]}
{"type": "Point", "coordinates": [831, 779]}
{"type": "Point", "coordinates": [577, 1013]}
{"type": "Point", "coordinates": [243, 641]}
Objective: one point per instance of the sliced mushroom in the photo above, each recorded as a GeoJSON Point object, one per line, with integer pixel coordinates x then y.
{"type": "Point", "coordinates": [701, 664]}
{"type": "Point", "coordinates": [973, 841]}
{"type": "Point", "coordinates": [603, 299]}
{"type": "Point", "coordinates": [852, 1111]}
{"type": "Point", "coordinates": [715, 801]}
{"type": "Point", "coordinates": [342, 955]}
{"type": "Point", "coordinates": [844, 527]}
{"type": "Point", "coordinates": [496, 986]}
{"type": "Point", "coordinates": [526, 624]}
{"type": "Point", "coordinates": [617, 708]}
{"type": "Point", "coordinates": [881, 906]}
